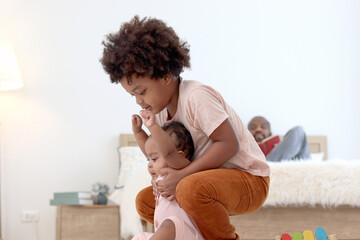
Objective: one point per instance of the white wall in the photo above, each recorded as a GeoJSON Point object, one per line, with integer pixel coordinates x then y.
{"type": "Point", "coordinates": [293, 62]}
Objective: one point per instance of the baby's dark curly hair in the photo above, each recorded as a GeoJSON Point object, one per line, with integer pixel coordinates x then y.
{"type": "Point", "coordinates": [182, 138]}
{"type": "Point", "coordinates": [147, 48]}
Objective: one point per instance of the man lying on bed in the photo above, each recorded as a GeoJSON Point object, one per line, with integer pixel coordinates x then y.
{"type": "Point", "coordinates": [293, 146]}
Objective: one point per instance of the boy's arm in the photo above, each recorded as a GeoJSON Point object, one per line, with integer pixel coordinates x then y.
{"type": "Point", "coordinates": [167, 148]}
{"type": "Point", "coordinates": [225, 146]}
{"type": "Point", "coordinates": [139, 133]}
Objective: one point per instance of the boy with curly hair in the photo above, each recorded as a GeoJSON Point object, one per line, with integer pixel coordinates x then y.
{"type": "Point", "coordinates": [229, 174]}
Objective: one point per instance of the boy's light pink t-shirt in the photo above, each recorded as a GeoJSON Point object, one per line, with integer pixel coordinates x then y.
{"type": "Point", "coordinates": [202, 109]}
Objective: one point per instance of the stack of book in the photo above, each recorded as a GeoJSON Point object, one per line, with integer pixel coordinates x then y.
{"type": "Point", "coordinates": [72, 198]}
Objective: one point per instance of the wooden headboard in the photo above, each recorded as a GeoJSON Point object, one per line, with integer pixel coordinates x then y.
{"type": "Point", "coordinates": [127, 140]}
{"type": "Point", "coordinates": [317, 144]}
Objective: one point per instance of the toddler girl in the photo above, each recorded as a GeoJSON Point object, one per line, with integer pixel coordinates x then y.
{"type": "Point", "coordinates": [170, 146]}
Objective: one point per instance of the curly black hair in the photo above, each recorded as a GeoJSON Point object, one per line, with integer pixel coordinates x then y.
{"type": "Point", "coordinates": [182, 138]}
{"type": "Point", "coordinates": [147, 48]}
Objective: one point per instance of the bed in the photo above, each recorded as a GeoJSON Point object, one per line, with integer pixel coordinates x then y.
{"type": "Point", "coordinates": [304, 195]}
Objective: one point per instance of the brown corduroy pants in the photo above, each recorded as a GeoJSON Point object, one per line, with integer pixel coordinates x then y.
{"type": "Point", "coordinates": [209, 197]}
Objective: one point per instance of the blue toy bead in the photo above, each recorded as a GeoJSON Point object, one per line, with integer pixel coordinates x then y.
{"type": "Point", "coordinates": [320, 234]}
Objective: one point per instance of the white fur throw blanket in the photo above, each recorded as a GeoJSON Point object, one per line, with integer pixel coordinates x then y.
{"type": "Point", "coordinates": [327, 183]}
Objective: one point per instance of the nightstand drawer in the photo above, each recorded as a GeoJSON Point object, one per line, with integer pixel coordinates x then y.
{"type": "Point", "coordinates": [88, 222]}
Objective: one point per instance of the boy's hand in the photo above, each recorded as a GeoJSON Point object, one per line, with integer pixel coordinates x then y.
{"type": "Point", "coordinates": [148, 118]}
{"type": "Point", "coordinates": [154, 185]}
{"type": "Point", "coordinates": [136, 123]}
{"type": "Point", "coordinates": [167, 186]}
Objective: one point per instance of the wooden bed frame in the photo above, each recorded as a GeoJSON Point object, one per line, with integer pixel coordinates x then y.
{"type": "Point", "coordinates": [269, 222]}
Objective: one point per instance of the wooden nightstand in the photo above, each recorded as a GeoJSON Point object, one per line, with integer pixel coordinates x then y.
{"type": "Point", "coordinates": [90, 222]}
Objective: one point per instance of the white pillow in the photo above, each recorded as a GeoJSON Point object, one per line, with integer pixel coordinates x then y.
{"type": "Point", "coordinates": [125, 198]}
{"type": "Point", "coordinates": [133, 176]}
{"type": "Point", "coordinates": [317, 157]}
{"type": "Point", "coordinates": [130, 160]}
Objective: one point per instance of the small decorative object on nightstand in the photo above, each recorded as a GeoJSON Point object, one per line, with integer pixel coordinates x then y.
{"type": "Point", "coordinates": [100, 191]}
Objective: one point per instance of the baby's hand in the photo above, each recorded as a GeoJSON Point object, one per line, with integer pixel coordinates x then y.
{"type": "Point", "coordinates": [136, 123]}
{"type": "Point", "coordinates": [148, 118]}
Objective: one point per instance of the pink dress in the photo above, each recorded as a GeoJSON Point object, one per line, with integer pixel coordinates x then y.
{"type": "Point", "coordinates": [184, 227]}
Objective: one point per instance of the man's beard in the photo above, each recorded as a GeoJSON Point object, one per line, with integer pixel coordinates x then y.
{"type": "Point", "coordinates": [259, 136]}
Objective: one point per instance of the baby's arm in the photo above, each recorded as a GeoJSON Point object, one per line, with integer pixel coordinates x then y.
{"type": "Point", "coordinates": [139, 133]}
{"type": "Point", "coordinates": [166, 145]}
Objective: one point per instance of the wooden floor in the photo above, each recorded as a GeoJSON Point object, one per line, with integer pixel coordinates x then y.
{"type": "Point", "coordinates": [269, 222]}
